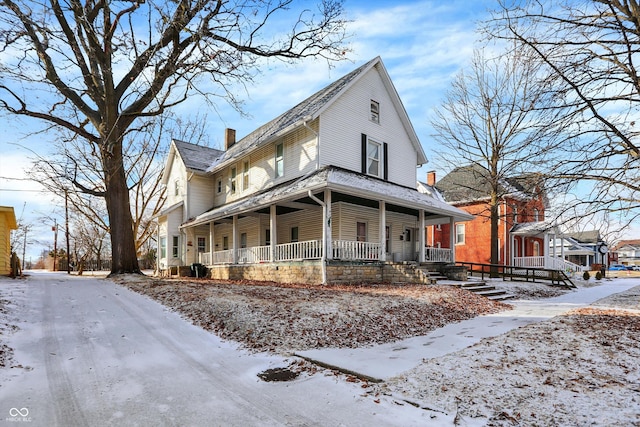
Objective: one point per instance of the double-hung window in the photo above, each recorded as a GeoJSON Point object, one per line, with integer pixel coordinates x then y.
{"type": "Point", "coordinates": [163, 247]}
{"type": "Point", "coordinates": [375, 111]}
{"type": "Point", "coordinates": [175, 246]}
{"type": "Point", "coordinates": [373, 158]}
{"type": "Point", "coordinates": [279, 161]}
{"type": "Point", "coordinates": [234, 180]}
{"type": "Point", "coordinates": [245, 176]}
{"type": "Point", "coordinates": [460, 234]}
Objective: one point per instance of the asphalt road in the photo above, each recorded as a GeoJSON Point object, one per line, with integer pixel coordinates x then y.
{"type": "Point", "coordinates": [92, 353]}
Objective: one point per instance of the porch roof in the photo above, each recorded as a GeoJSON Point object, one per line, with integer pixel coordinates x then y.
{"type": "Point", "coordinates": [535, 228]}
{"type": "Point", "coordinates": [338, 180]}
{"type": "Point", "coordinates": [169, 209]}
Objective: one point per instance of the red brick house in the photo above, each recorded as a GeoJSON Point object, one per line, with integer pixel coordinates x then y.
{"type": "Point", "coordinates": [524, 234]}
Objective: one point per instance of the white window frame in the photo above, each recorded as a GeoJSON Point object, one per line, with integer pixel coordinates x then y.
{"type": "Point", "coordinates": [245, 175]}
{"type": "Point", "coordinates": [233, 182]}
{"type": "Point", "coordinates": [279, 161]}
{"type": "Point", "coordinates": [219, 186]}
{"type": "Point", "coordinates": [176, 187]}
{"type": "Point", "coordinates": [371, 145]}
{"type": "Point", "coordinates": [175, 246]}
{"type": "Point", "coordinates": [374, 111]}
{"type": "Point", "coordinates": [163, 246]}
{"type": "Point", "coordinates": [201, 247]}
{"type": "Point", "coordinates": [460, 234]}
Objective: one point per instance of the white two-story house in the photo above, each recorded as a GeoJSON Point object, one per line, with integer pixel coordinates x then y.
{"type": "Point", "coordinates": [324, 192]}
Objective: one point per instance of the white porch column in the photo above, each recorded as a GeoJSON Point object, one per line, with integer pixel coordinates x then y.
{"type": "Point", "coordinates": [452, 238]}
{"type": "Point", "coordinates": [562, 250]}
{"type": "Point", "coordinates": [545, 246]}
{"type": "Point", "coordinates": [382, 235]}
{"type": "Point", "coordinates": [272, 232]}
{"type": "Point", "coordinates": [421, 239]}
{"type": "Point", "coordinates": [328, 227]}
{"type": "Point", "coordinates": [212, 241]}
{"type": "Point", "coordinates": [234, 238]}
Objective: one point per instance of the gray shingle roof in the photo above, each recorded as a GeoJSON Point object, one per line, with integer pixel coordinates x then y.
{"type": "Point", "coordinates": [309, 108]}
{"type": "Point", "coordinates": [197, 157]}
{"type": "Point", "coordinates": [472, 182]}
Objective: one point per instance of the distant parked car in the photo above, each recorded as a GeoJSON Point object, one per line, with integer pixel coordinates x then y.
{"type": "Point", "coordinates": [634, 267]}
{"type": "Point", "coordinates": [617, 267]}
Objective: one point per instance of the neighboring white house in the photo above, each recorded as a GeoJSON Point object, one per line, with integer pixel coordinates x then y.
{"type": "Point", "coordinates": [330, 181]}
{"type": "Point", "coordinates": [582, 248]}
{"type": "Point", "coordinates": [628, 252]}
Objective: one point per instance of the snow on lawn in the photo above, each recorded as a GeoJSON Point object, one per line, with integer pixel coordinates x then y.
{"type": "Point", "coordinates": [580, 368]}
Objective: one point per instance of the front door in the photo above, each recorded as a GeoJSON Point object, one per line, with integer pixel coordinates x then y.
{"type": "Point", "coordinates": [409, 248]}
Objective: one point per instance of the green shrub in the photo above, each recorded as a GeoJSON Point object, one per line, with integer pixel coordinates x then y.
{"type": "Point", "coordinates": [598, 275]}
{"type": "Point", "coordinates": [586, 275]}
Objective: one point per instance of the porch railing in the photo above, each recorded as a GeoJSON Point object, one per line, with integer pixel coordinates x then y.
{"type": "Point", "coordinates": [309, 249]}
{"type": "Point", "coordinates": [354, 250]}
{"type": "Point", "coordinates": [547, 262]}
{"type": "Point", "coordinates": [223, 257]}
{"type": "Point", "coordinates": [438, 255]}
{"type": "Point", "coordinates": [253, 255]}
{"type": "Point", "coordinates": [204, 258]}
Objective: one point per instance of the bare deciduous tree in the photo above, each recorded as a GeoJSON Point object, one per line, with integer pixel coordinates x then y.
{"type": "Point", "coordinates": [95, 68]}
{"type": "Point", "coordinates": [591, 53]}
{"type": "Point", "coordinates": [489, 120]}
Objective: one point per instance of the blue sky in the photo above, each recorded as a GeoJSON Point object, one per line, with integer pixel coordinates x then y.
{"type": "Point", "coordinates": [423, 44]}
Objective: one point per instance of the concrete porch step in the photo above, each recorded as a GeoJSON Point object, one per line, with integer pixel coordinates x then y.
{"type": "Point", "coordinates": [485, 290]}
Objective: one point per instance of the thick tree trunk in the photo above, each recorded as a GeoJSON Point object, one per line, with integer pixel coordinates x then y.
{"type": "Point", "coordinates": [124, 257]}
{"type": "Point", "coordinates": [494, 234]}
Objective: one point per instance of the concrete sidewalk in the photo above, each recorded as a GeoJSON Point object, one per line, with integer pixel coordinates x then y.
{"type": "Point", "coordinates": [388, 360]}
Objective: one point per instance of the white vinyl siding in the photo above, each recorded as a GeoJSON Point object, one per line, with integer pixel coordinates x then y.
{"type": "Point", "coordinates": [342, 124]}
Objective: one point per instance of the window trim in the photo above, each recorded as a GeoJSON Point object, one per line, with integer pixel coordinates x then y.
{"type": "Point", "coordinates": [233, 180]}
{"type": "Point", "coordinates": [278, 167]}
{"type": "Point", "coordinates": [175, 246]}
{"type": "Point", "coordinates": [201, 248]}
{"type": "Point", "coordinates": [366, 231]}
{"type": "Point", "coordinates": [374, 111]}
{"type": "Point", "coordinates": [462, 241]}
{"type": "Point", "coordinates": [297, 229]}
{"type": "Point", "coordinates": [373, 143]}
{"type": "Point", "coordinates": [245, 175]}
{"type": "Point", "coordinates": [163, 246]}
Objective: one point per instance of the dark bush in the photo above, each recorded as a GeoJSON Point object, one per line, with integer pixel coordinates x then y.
{"type": "Point", "coordinates": [586, 275]}
{"type": "Point", "coordinates": [598, 275]}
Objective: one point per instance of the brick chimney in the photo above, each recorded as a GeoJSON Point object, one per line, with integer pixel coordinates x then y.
{"type": "Point", "coordinates": [431, 178]}
{"type": "Point", "coordinates": [229, 138]}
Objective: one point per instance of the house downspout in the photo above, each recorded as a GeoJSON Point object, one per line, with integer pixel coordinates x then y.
{"type": "Point", "coordinates": [323, 258]}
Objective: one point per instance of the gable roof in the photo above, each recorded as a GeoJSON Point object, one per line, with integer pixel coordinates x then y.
{"type": "Point", "coordinates": [633, 244]}
{"type": "Point", "coordinates": [311, 108]}
{"type": "Point", "coordinates": [471, 183]}
{"type": "Point", "coordinates": [196, 158]}
{"type": "Point", "coordinates": [589, 236]}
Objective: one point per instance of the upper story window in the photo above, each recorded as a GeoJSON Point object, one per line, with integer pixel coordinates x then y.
{"type": "Point", "coordinates": [219, 185]}
{"type": "Point", "coordinates": [234, 180]}
{"type": "Point", "coordinates": [373, 158]}
{"type": "Point", "coordinates": [176, 187]}
{"type": "Point", "coordinates": [514, 209]}
{"type": "Point", "coordinates": [279, 164]}
{"type": "Point", "coordinates": [536, 215]}
{"type": "Point", "coordinates": [375, 111]}
{"type": "Point", "coordinates": [245, 176]}
{"type": "Point", "coordinates": [460, 234]}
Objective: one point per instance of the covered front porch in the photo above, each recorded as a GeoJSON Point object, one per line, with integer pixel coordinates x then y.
{"type": "Point", "coordinates": [330, 216]}
{"type": "Point", "coordinates": [531, 247]}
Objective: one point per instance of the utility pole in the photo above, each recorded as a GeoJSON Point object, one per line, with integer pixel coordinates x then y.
{"type": "Point", "coordinates": [66, 229]}
{"type": "Point", "coordinates": [55, 245]}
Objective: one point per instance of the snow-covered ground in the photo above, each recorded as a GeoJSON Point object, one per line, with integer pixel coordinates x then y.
{"type": "Point", "coordinates": [91, 352]}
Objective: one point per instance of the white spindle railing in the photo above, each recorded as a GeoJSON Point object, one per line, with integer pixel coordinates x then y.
{"type": "Point", "coordinates": [529, 261]}
{"type": "Point", "coordinates": [223, 257]}
{"type": "Point", "coordinates": [438, 255]}
{"type": "Point", "coordinates": [309, 249]}
{"type": "Point", "coordinates": [204, 258]}
{"type": "Point", "coordinates": [253, 255]}
{"type": "Point", "coordinates": [355, 251]}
